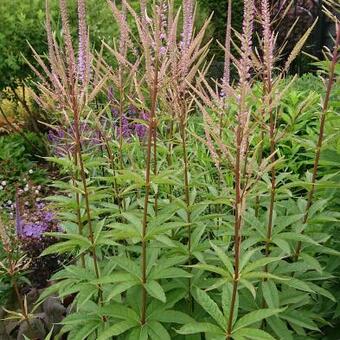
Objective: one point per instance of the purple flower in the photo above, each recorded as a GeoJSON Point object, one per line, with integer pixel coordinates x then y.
{"type": "Point", "coordinates": [48, 216]}
{"type": "Point", "coordinates": [140, 130]}
{"type": "Point", "coordinates": [34, 230]}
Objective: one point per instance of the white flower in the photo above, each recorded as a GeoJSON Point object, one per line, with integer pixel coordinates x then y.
{"type": "Point", "coordinates": [37, 192]}
{"type": "Point", "coordinates": [30, 171]}
{"type": "Point", "coordinates": [26, 189]}
{"type": "Point", "coordinates": [3, 183]}
{"type": "Point", "coordinates": [9, 202]}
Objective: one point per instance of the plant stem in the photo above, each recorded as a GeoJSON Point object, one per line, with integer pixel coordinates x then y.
{"type": "Point", "coordinates": [186, 191]}
{"type": "Point", "coordinates": [237, 230]}
{"type": "Point", "coordinates": [86, 193]}
{"type": "Point", "coordinates": [79, 221]}
{"type": "Point", "coordinates": [155, 171]}
{"type": "Point", "coordinates": [154, 94]}
{"type": "Point", "coordinates": [311, 192]}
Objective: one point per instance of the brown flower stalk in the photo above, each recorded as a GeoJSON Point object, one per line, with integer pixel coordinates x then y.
{"type": "Point", "coordinates": [69, 93]}
{"type": "Point", "coordinates": [268, 56]}
{"type": "Point", "coordinates": [325, 107]}
{"type": "Point", "coordinates": [242, 131]}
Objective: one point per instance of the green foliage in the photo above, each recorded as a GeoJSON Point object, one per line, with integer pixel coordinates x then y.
{"type": "Point", "coordinates": [18, 162]}
{"type": "Point", "coordinates": [169, 239]}
{"type": "Point", "coordinates": [296, 294]}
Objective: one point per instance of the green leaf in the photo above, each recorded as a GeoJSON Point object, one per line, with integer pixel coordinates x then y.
{"type": "Point", "coordinates": [279, 327]}
{"type": "Point", "coordinates": [79, 318]}
{"type": "Point", "coordinates": [172, 316]}
{"type": "Point", "coordinates": [168, 273]}
{"type": "Point", "coordinates": [256, 316]}
{"type": "Point", "coordinates": [270, 294]}
{"type": "Point", "coordinates": [311, 261]}
{"type": "Point", "coordinates": [82, 333]}
{"type": "Point", "coordinates": [139, 333]}
{"type": "Point", "coordinates": [120, 288]}
{"type": "Point", "coordinates": [298, 284]}
{"type": "Point", "coordinates": [260, 263]}
{"type": "Point", "coordinates": [210, 307]}
{"type": "Point", "coordinates": [116, 329]}
{"type": "Point", "coordinates": [119, 311]}
{"type": "Point", "coordinates": [200, 327]}
{"type": "Point", "coordinates": [155, 290]}
{"type": "Point", "coordinates": [298, 318]}
{"type": "Point", "coordinates": [211, 268]}
{"type": "Point", "coordinates": [253, 334]}
{"type": "Point", "coordinates": [128, 265]}
{"type": "Point", "coordinates": [263, 275]}
{"type": "Point", "coordinates": [297, 237]}
{"type": "Point", "coordinates": [224, 258]}
{"type": "Point", "coordinates": [282, 244]}
{"type": "Point", "coordinates": [157, 331]}
{"type": "Point", "coordinates": [321, 291]}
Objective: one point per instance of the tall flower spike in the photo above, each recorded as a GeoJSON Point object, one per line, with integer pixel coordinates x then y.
{"type": "Point", "coordinates": [83, 42]}
{"type": "Point", "coordinates": [268, 40]}
{"type": "Point", "coordinates": [246, 41]}
{"type": "Point", "coordinates": [68, 41]}
{"type": "Point", "coordinates": [244, 71]}
{"type": "Point", "coordinates": [188, 9]}
{"type": "Point", "coordinates": [188, 24]}
{"type": "Point", "coordinates": [226, 73]}
{"type": "Point", "coordinates": [143, 9]}
{"type": "Point", "coordinates": [50, 40]}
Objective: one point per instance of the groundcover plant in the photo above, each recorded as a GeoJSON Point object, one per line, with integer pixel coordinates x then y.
{"type": "Point", "coordinates": [187, 207]}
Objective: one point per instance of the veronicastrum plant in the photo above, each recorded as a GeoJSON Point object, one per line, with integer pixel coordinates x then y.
{"type": "Point", "coordinates": [193, 224]}
{"type": "Point", "coordinates": [269, 234]}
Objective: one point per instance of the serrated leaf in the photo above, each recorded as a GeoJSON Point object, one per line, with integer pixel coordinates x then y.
{"type": "Point", "coordinates": [297, 237]}
{"type": "Point", "coordinates": [299, 319]}
{"type": "Point", "coordinates": [120, 288]}
{"type": "Point", "coordinates": [311, 261]}
{"type": "Point", "coordinates": [259, 263]}
{"type": "Point", "coordinates": [172, 316]}
{"type": "Point", "coordinates": [256, 316]}
{"type": "Point", "coordinates": [211, 268]}
{"type": "Point", "coordinates": [224, 258]}
{"type": "Point", "coordinates": [128, 265]}
{"type": "Point", "coordinates": [168, 273]}
{"type": "Point", "coordinates": [116, 329]}
{"type": "Point", "coordinates": [200, 327]}
{"type": "Point", "coordinates": [270, 294]}
{"type": "Point", "coordinates": [210, 306]}
{"type": "Point", "coordinates": [157, 331]}
{"type": "Point", "coordinates": [253, 334]}
{"type": "Point", "coordinates": [155, 290]}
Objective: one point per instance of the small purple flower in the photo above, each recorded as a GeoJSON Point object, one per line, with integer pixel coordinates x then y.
{"type": "Point", "coordinates": [140, 130]}
{"type": "Point", "coordinates": [48, 216]}
{"type": "Point", "coordinates": [34, 230]}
